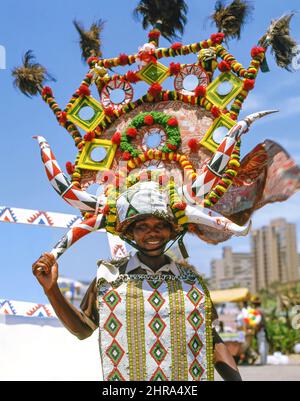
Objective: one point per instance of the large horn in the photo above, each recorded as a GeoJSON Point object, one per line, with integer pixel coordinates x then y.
{"type": "Point", "coordinates": [216, 166]}
{"type": "Point", "coordinates": [75, 197]}
{"type": "Point", "coordinates": [76, 233]}
{"type": "Point", "coordinates": [206, 217]}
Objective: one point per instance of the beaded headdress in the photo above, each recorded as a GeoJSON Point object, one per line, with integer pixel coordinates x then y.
{"type": "Point", "coordinates": [187, 137]}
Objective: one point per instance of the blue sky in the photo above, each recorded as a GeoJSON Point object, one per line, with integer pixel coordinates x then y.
{"type": "Point", "coordinates": [47, 29]}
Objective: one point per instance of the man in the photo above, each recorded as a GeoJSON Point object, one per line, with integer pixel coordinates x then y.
{"type": "Point", "coordinates": [155, 334]}
{"type": "Point", "coordinates": [261, 331]}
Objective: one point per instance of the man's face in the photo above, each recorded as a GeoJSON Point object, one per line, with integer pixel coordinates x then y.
{"type": "Point", "coordinates": [151, 234]}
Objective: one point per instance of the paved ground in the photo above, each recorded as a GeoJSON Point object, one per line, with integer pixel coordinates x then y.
{"type": "Point", "coordinates": [269, 373]}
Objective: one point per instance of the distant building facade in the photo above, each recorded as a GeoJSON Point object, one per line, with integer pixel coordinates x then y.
{"type": "Point", "coordinates": [233, 270]}
{"type": "Point", "coordinates": [275, 256]}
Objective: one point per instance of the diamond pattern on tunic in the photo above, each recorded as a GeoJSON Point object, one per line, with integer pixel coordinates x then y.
{"type": "Point", "coordinates": [156, 300]}
{"type": "Point", "coordinates": [158, 352]}
{"type": "Point", "coordinates": [112, 298]}
{"type": "Point", "coordinates": [157, 325]}
{"type": "Point", "coordinates": [195, 296]}
{"type": "Point", "coordinates": [195, 319]}
{"type": "Point", "coordinates": [115, 352]}
{"type": "Point", "coordinates": [195, 345]}
{"type": "Point", "coordinates": [196, 370]}
{"type": "Point", "coordinates": [113, 325]}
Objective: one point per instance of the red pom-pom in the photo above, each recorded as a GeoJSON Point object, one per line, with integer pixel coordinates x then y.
{"type": "Point", "coordinates": [109, 111]}
{"type": "Point", "coordinates": [200, 91]}
{"type": "Point", "coordinates": [105, 210]}
{"type": "Point", "coordinates": [224, 66]}
{"type": "Point", "coordinates": [132, 77]}
{"type": "Point", "coordinates": [123, 59]}
{"type": "Point", "coordinates": [249, 84]}
{"type": "Point", "coordinates": [70, 168]}
{"type": "Point", "coordinates": [116, 138]}
{"type": "Point", "coordinates": [172, 122]}
{"type": "Point", "coordinates": [106, 64]}
{"type": "Point", "coordinates": [126, 155]}
{"type": "Point", "coordinates": [256, 51]}
{"type": "Point", "coordinates": [90, 60]}
{"type": "Point", "coordinates": [154, 34]}
{"type": "Point", "coordinates": [215, 111]}
{"type": "Point", "coordinates": [89, 136]}
{"type": "Point", "coordinates": [155, 89]}
{"type": "Point", "coordinates": [63, 118]}
{"type": "Point", "coordinates": [132, 132]}
{"type": "Point", "coordinates": [193, 144]}
{"type": "Point", "coordinates": [148, 120]}
{"type": "Point", "coordinates": [84, 90]}
{"type": "Point", "coordinates": [175, 68]}
{"type": "Point", "coordinates": [180, 205]}
{"type": "Point", "coordinates": [172, 147]}
{"type": "Point", "coordinates": [47, 91]}
{"type": "Point", "coordinates": [176, 46]}
{"type": "Point", "coordinates": [217, 38]}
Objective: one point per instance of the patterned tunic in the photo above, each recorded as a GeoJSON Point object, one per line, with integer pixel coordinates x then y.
{"type": "Point", "coordinates": [155, 327]}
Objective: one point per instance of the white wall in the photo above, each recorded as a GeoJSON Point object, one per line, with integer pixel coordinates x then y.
{"type": "Point", "coordinates": [33, 348]}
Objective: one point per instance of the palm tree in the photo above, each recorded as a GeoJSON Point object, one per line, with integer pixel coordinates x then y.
{"type": "Point", "coordinates": [168, 16]}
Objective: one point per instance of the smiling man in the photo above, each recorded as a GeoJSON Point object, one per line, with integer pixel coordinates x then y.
{"type": "Point", "coordinates": [155, 315]}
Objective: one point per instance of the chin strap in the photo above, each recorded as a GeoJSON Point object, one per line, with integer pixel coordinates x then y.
{"type": "Point", "coordinates": [179, 237]}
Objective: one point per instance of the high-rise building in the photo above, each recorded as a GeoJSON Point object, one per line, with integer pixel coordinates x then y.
{"type": "Point", "coordinates": [233, 270]}
{"type": "Point", "coordinates": [275, 257]}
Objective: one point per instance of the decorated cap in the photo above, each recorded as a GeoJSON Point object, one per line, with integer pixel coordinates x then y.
{"type": "Point", "coordinates": [142, 200]}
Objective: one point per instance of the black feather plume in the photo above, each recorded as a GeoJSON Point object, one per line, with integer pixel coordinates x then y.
{"type": "Point", "coordinates": [231, 19]}
{"type": "Point", "coordinates": [30, 77]}
{"type": "Point", "coordinates": [90, 41]}
{"type": "Point", "coordinates": [279, 38]}
{"type": "Point", "coordinates": [169, 16]}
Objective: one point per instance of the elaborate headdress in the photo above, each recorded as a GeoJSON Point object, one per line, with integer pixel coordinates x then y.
{"type": "Point", "coordinates": [190, 135]}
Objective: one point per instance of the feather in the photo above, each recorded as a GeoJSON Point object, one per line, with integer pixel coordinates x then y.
{"type": "Point", "coordinates": [29, 78]}
{"type": "Point", "coordinates": [169, 17]}
{"type": "Point", "coordinates": [279, 38]}
{"type": "Point", "coordinates": [231, 19]}
{"type": "Point", "coordinates": [90, 41]}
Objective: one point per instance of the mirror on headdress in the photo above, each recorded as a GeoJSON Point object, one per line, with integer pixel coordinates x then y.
{"type": "Point", "coordinates": [190, 82]}
{"type": "Point", "coordinates": [86, 113]}
{"type": "Point", "coordinates": [98, 154]}
{"type": "Point", "coordinates": [117, 96]}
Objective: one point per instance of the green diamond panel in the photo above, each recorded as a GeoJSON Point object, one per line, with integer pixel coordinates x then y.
{"type": "Point", "coordinates": [112, 299]}
{"type": "Point", "coordinates": [195, 345]}
{"type": "Point", "coordinates": [158, 376]}
{"type": "Point", "coordinates": [157, 325]}
{"type": "Point", "coordinates": [116, 376]}
{"type": "Point", "coordinates": [195, 319]}
{"type": "Point", "coordinates": [156, 300]}
{"type": "Point", "coordinates": [194, 296]}
{"type": "Point", "coordinates": [196, 370]}
{"type": "Point", "coordinates": [115, 352]}
{"type": "Point", "coordinates": [158, 352]}
{"type": "Point", "coordinates": [112, 325]}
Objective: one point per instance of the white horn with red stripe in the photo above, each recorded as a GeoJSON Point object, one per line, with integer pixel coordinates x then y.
{"type": "Point", "coordinates": [202, 216]}
{"type": "Point", "coordinates": [75, 197]}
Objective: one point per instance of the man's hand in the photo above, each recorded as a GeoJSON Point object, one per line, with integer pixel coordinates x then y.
{"type": "Point", "coordinates": [45, 269]}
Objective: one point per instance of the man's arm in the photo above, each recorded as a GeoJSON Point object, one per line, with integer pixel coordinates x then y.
{"type": "Point", "coordinates": [224, 362]}
{"type": "Point", "coordinates": [45, 269]}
